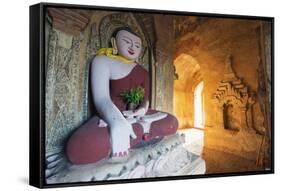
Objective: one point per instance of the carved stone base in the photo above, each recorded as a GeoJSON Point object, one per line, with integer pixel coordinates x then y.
{"type": "Point", "coordinates": [169, 157]}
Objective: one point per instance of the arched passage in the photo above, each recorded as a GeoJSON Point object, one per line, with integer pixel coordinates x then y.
{"type": "Point", "coordinates": [188, 101]}
{"type": "Point", "coordinates": [185, 87]}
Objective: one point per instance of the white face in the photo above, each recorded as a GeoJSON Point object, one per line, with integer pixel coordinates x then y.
{"type": "Point", "coordinates": [128, 45]}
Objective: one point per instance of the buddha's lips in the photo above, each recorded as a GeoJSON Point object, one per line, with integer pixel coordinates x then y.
{"type": "Point", "coordinates": [131, 52]}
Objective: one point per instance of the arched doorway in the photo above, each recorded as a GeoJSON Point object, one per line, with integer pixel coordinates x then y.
{"type": "Point", "coordinates": [185, 87]}
{"type": "Point", "coordinates": [188, 101]}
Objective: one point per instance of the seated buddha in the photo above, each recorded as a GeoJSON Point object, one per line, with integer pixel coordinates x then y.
{"type": "Point", "coordinates": [115, 130]}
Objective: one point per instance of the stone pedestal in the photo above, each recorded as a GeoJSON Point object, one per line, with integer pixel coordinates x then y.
{"type": "Point", "coordinates": [169, 157]}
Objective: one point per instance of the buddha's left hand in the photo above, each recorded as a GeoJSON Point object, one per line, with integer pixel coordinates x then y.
{"type": "Point", "coordinates": [134, 113]}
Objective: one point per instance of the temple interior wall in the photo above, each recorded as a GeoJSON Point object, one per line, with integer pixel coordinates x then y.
{"type": "Point", "coordinates": [210, 41]}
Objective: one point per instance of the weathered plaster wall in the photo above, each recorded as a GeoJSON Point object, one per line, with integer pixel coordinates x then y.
{"type": "Point", "coordinates": [210, 42]}
{"type": "Point", "coordinates": [216, 39]}
{"type": "Point", "coordinates": [164, 62]}
{"type": "Point", "coordinates": [184, 108]}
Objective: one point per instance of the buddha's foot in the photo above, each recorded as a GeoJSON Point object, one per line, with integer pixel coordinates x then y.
{"type": "Point", "coordinates": [119, 157]}
{"type": "Point", "coordinates": [102, 123]}
{"type": "Point", "coordinates": [146, 137]}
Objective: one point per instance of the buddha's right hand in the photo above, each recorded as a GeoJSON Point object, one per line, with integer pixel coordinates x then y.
{"type": "Point", "coordinates": [121, 133]}
{"type": "Point", "coordinates": [129, 127]}
{"type": "Point", "coordinates": [132, 133]}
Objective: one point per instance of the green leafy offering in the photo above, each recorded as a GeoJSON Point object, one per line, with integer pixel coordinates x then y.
{"type": "Point", "coordinates": [133, 95]}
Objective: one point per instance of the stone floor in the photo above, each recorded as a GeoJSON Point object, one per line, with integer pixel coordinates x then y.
{"type": "Point", "coordinates": [194, 140]}
{"type": "Point", "coordinates": [216, 161]}
{"type": "Point", "coordinates": [222, 162]}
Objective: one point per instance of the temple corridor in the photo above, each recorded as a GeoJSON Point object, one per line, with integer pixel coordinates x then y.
{"type": "Point", "coordinates": [217, 91]}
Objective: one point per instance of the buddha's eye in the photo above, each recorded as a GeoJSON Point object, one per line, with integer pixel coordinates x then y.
{"type": "Point", "coordinates": [126, 41]}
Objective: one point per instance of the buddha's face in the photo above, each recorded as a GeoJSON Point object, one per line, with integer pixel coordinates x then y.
{"type": "Point", "coordinates": [128, 45]}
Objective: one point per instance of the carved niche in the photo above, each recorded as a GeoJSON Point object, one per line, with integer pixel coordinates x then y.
{"type": "Point", "coordinates": [101, 34]}
{"type": "Point", "coordinates": [233, 101]}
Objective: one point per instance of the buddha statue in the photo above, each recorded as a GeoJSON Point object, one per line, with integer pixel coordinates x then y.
{"type": "Point", "coordinates": [115, 130]}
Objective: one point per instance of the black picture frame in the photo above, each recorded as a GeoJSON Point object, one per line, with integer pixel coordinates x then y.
{"type": "Point", "coordinates": [37, 82]}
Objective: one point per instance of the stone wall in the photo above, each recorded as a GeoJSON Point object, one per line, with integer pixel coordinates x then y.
{"type": "Point", "coordinates": [165, 73]}
{"type": "Point", "coordinates": [184, 108]}
{"type": "Point", "coordinates": [65, 94]}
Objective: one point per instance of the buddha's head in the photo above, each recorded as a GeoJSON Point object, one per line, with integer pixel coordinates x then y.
{"type": "Point", "coordinates": [126, 43]}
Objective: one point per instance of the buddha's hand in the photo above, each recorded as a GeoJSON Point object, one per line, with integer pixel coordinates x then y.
{"type": "Point", "coordinates": [122, 128]}
{"type": "Point", "coordinates": [134, 113]}
{"type": "Point", "coordinates": [121, 133]}
{"type": "Point", "coordinates": [127, 129]}
{"type": "Point", "coordinates": [132, 133]}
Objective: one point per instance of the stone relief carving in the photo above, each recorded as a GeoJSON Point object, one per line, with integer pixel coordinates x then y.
{"type": "Point", "coordinates": [93, 43]}
{"type": "Point", "coordinates": [65, 97]}
{"type": "Point", "coordinates": [234, 101]}
{"type": "Point", "coordinates": [62, 90]}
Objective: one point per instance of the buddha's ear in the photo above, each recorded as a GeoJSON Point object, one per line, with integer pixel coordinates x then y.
{"type": "Point", "coordinates": [114, 45]}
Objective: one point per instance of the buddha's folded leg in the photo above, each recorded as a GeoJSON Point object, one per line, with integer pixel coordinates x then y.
{"type": "Point", "coordinates": [91, 143]}
{"type": "Point", "coordinates": [163, 127]}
